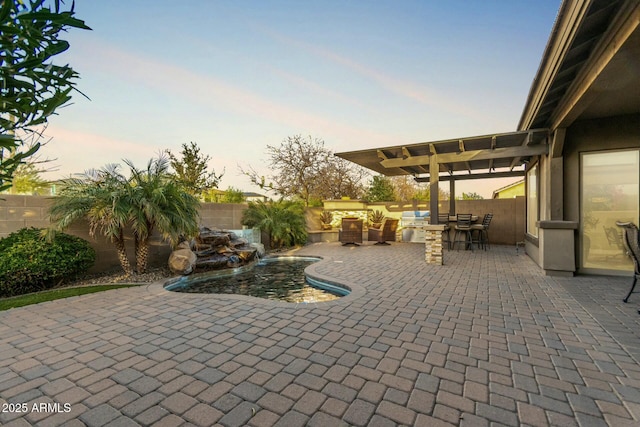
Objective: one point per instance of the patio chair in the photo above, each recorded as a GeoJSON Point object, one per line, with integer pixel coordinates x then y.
{"type": "Point", "coordinates": [614, 239]}
{"type": "Point", "coordinates": [386, 232]}
{"type": "Point", "coordinates": [482, 231]}
{"type": "Point", "coordinates": [463, 228]}
{"type": "Point", "coordinates": [443, 219]}
{"type": "Point", "coordinates": [350, 232]}
{"type": "Point", "coordinates": [633, 250]}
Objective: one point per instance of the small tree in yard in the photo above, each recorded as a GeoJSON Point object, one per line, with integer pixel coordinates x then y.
{"type": "Point", "coordinates": [192, 170]}
{"type": "Point", "coordinates": [340, 177]}
{"type": "Point", "coordinates": [233, 195]}
{"type": "Point", "coordinates": [305, 169]}
{"type": "Point", "coordinates": [31, 87]}
{"type": "Point", "coordinates": [471, 196]}
{"type": "Point", "coordinates": [381, 190]}
{"type": "Point", "coordinates": [26, 180]}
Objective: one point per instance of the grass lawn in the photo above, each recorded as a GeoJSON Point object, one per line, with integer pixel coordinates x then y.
{"type": "Point", "coordinates": [22, 300]}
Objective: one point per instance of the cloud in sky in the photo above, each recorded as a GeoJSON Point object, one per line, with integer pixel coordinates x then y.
{"type": "Point", "coordinates": [403, 88]}
{"type": "Point", "coordinates": [88, 149]}
{"type": "Point", "coordinates": [184, 83]}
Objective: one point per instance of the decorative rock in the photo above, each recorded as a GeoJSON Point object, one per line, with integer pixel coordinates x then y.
{"type": "Point", "coordinates": [234, 261]}
{"type": "Point", "coordinates": [213, 262]}
{"type": "Point", "coordinates": [238, 242]}
{"type": "Point", "coordinates": [246, 254]}
{"type": "Point", "coordinates": [184, 245]}
{"type": "Point", "coordinates": [215, 249]}
{"type": "Point", "coordinates": [182, 261]}
{"type": "Point", "coordinates": [213, 238]}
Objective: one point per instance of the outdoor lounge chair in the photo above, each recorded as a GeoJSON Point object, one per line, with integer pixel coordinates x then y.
{"type": "Point", "coordinates": [350, 232]}
{"type": "Point", "coordinates": [386, 232]}
{"type": "Point", "coordinates": [633, 250]}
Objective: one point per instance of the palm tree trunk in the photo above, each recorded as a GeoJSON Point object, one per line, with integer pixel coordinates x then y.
{"type": "Point", "coordinates": [142, 255]}
{"type": "Point", "coordinates": [122, 255]}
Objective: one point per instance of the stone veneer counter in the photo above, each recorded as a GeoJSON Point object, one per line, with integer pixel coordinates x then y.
{"type": "Point", "coordinates": [433, 243]}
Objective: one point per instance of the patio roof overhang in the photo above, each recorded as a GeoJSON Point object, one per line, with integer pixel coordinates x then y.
{"type": "Point", "coordinates": [487, 156]}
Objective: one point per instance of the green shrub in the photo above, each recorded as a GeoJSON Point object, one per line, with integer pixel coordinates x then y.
{"type": "Point", "coordinates": [283, 220]}
{"type": "Point", "coordinates": [29, 263]}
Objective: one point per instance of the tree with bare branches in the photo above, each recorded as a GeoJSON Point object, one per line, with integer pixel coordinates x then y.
{"type": "Point", "coordinates": [304, 168]}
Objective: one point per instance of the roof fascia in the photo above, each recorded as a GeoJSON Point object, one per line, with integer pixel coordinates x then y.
{"type": "Point", "coordinates": [575, 100]}
{"type": "Point", "coordinates": [570, 15]}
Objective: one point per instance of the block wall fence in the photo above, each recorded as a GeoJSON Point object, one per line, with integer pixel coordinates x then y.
{"type": "Point", "coordinates": [507, 226]}
{"type": "Point", "coordinates": [18, 211]}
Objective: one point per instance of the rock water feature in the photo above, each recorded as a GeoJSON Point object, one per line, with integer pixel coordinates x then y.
{"type": "Point", "coordinates": [212, 250]}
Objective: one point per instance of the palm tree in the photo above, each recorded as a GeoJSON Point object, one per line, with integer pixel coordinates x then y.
{"type": "Point", "coordinates": [98, 196]}
{"type": "Point", "coordinates": [282, 220]}
{"type": "Point", "coordinates": [149, 200]}
{"type": "Point", "coordinates": [158, 202]}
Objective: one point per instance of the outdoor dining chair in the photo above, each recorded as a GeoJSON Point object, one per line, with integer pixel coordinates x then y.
{"type": "Point", "coordinates": [482, 232]}
{"type": "Point", "coordinates": [350, 232]}
{"type": "Point", "coordinates": [615, 241]}
{"type": "Point", "coordinates": [463, 229]}
{"type": "Point", "coordinates": [443, 219]}
{"type": "Point", "coordinates": [633, 250]}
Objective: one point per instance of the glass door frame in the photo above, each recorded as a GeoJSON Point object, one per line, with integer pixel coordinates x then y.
{"type": "Point", "coordinates": [581, 229]}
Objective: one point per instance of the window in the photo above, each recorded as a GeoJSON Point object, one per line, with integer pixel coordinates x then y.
{"type": "Point", "coordinates": [532, 200]}
{"type": "Point", "coordinates": [609, 193]}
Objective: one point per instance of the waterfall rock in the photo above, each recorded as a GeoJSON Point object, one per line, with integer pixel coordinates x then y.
{"type": "Point", "coordinates": [213, 249]}
{"type": "Point", "coordinates": [182, 261]}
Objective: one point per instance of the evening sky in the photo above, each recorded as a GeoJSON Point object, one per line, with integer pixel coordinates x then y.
{"type": "Point", "coordinates": [234, 76]}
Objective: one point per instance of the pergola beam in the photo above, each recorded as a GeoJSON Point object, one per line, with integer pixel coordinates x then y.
{"type": "Point", "coordinates": [498, 153]}
{"type": "Point", "coordinates": [506, 174]}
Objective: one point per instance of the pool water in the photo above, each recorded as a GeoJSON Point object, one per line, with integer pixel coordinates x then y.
{"type": "Point", "coordinates": [278, 278]}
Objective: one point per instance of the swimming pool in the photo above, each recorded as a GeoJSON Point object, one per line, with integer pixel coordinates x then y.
{"type": "Point", "coordinates": [275, 278]}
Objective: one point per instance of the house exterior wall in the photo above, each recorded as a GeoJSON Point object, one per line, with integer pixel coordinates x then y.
{"type": "Point", "coordinates": [511, 192]}
{"type": "Point", "coordinates": [612, 133]}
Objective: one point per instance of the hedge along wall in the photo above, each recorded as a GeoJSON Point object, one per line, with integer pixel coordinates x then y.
{"type": "Point", "coordinates": [17, 212]}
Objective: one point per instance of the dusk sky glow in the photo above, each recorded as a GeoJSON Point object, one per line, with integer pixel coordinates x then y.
{"type": "Point", "coordinates": [236, 76]}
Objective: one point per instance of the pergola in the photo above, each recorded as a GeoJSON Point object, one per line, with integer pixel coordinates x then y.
{"type": "Point", "coordinates": [477, 157]}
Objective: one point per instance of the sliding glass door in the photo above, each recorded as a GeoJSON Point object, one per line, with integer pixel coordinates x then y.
{"type": "Point", "coordinates": [610, 182]}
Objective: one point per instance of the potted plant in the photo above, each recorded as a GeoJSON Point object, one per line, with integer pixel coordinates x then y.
{"type": "Point", "coordinates": [375, 218]}
{"type": "Point", "coordinates": [326, 217]}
